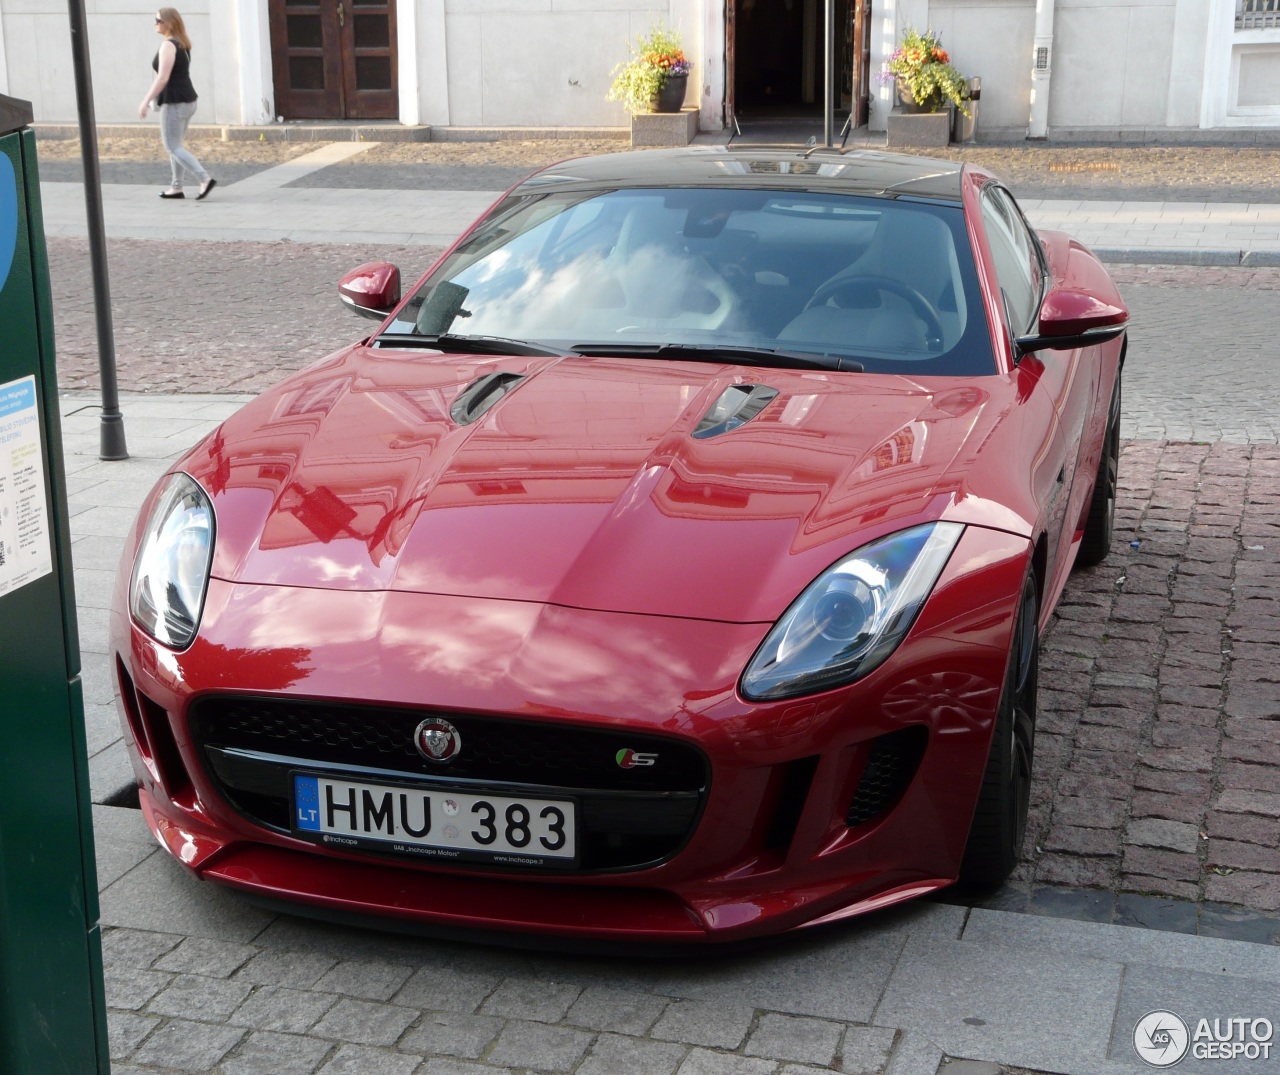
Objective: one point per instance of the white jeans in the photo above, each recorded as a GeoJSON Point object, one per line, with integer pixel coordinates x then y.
{"type": "Point", "coordinates": [174, 120]}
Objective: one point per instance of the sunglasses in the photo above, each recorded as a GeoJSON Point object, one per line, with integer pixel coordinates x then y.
{"type": "Point", "coordinates": [159, 20]}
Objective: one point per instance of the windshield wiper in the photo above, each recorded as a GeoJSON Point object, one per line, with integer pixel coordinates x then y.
{"type": "Point", "coordinates": [455, 344]}
{"type": "Point", "coordinates": [771, 357]}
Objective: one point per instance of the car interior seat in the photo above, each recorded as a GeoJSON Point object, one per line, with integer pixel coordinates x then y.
{"type": "Point", "coordinates": [665, 284]}
{"type": "Point", "coordinates": [874, 301]}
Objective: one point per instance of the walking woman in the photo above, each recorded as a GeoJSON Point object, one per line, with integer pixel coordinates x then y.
{"type": "Point", "coordinates": [176, 97]}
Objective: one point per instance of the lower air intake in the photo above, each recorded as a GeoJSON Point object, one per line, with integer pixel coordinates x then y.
{"type": "Point", "coordinates": [892, 761]}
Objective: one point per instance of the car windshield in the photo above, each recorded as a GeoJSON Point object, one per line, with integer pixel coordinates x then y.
{"type": "Point", "coordinates": [887, 284]}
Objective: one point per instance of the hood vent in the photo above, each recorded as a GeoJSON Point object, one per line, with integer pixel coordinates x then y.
{"type": "Point", "coordinates": [482, 394]}
{"type": "Point", "coordinates": [736, 406]}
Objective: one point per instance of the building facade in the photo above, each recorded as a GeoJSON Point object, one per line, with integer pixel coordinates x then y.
{"type": "Point", "coordinates": [1079, 65]}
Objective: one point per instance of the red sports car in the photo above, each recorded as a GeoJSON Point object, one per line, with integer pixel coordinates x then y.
{"type": "Point", "coordinates": [668, 566]}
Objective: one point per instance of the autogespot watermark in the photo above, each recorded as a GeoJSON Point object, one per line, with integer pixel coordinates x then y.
{"type": "Point", "coordinates": [1162, 1038]}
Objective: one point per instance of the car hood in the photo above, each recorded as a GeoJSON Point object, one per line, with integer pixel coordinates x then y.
{"type": "Point", "coordinates": [585, 485]}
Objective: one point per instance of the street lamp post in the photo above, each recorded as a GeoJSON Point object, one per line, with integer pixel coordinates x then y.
{"type": "Point", "coordinates": [111, 441]}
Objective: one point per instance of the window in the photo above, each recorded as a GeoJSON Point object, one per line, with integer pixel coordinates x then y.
{"type": "Point", "coordinates": [1016, 256]}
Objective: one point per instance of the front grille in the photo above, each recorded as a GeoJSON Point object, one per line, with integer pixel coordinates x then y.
{"type": "Point", "coordinates": [630, 817]}
{"type": "Point", "coordinates": [891, 763]}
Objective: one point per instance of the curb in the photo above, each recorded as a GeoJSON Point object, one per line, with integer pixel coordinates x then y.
{"type": "Point", "coordinates": [1248, 259]}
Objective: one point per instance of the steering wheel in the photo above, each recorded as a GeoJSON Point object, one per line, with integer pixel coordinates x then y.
{"type": "Point", "coordinates": [922, 306]}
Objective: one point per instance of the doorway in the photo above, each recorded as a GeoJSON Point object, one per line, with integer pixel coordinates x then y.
{"type": "Point", "coordinates": [775, 64]}
{"type": "Point", "coordinates": [334, 59]}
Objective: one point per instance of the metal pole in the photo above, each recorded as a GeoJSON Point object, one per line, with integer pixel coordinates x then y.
{"type": "Point", "coordinates": [111, 443]}
{"type": "Point", "coordinates": [1041, 70]}
{"type": "Point", "coordinates": [829, 96]}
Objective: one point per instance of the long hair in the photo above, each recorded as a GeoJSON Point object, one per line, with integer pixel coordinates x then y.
{"type": "Point", "coordinates": [176, 27]}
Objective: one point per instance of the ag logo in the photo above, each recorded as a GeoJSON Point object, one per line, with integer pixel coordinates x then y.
{"type": "Point", "coordinates": [1161, 1039]}
{"type": "Point", "coordinates": [629, 759]}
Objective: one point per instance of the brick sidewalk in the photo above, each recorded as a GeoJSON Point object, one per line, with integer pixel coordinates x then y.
{"type": "Point", "coordinates": [1160, 690]}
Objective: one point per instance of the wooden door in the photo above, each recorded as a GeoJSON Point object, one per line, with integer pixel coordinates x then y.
{"type": "Point", "coordinates": [367, 29]}
{"type": "Point", "coordinates": [334, 59]}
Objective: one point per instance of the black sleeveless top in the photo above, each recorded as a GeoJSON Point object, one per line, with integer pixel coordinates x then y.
{"type": "Point", "coordinates": [178, 90]}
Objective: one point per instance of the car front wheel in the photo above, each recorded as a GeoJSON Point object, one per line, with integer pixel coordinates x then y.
{"type": "Point", "coordinates": [1000, 821]}
{"type": "Point", "coordinates": [1098, 527]}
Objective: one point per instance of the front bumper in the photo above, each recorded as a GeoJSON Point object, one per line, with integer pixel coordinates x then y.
{"type": "Point", "coordinates": [792, 812]}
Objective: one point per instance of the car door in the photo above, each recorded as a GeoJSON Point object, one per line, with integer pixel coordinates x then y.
{"type": "Point", "coordinates": [1066, 378]}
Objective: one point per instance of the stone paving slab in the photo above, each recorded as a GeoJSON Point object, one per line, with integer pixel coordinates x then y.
{"type": "Point", "coordinates": [1192, 995]}
{"type": "Point", "coordinates": [989, 989]}
{"type": "Point", "coordinates": [257, 211]}
{"type": "Point", "coordinates": [977, 1002]}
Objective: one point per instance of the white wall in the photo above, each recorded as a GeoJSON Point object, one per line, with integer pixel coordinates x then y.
{"type": "Point", "coordinates": [36, 38]}
{"type": "Point", "coordinates": [548, 63]}
{"type": "Point", "coordinates": [1239, 88]}
{"type": "Point", "coordinates": [1112, 63]}
{"type": "Point", "coordinates": [993, 40]}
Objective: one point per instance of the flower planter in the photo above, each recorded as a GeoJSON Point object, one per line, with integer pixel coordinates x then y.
{"type": "Point", "coordinates": [930, 130]}
{"type": "Point", "coordinates": [670, 98]}
{"type": "Point", "coordinates": [911, 106]}
{"type": "Point", "coordinates": [664, 128]}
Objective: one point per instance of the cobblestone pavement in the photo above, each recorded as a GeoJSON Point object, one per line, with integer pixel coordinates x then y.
{"type": "Point", "coordinates": [1156, 748]}
{"type": "Point", "coordinates": [210, 317]}
{"type": "Point", "coordinates": [1198, 334]}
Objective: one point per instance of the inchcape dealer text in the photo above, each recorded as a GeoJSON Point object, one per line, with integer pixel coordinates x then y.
{"type": "Point", "coordinates": [1232, 1039]}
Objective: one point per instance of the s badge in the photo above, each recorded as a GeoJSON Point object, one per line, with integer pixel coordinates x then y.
{"type": "Point", "coordinates": [629, 759]}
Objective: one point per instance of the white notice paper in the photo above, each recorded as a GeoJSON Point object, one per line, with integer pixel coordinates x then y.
{"type": "Point", "coordinates": [25, 551]}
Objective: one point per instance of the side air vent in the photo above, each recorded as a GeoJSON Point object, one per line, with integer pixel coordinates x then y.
{"type": "Point", "coordinates": [891, 763]}
{"type": "Point", "coordinates": [736, 406]}
{"type": "Point", "coordinates": [482, 394]}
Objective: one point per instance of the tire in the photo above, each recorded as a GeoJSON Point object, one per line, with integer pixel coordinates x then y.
{"type": "Point", "coordinates": [1100, 524]}
{"type": "Point", "coordinates": [1000, 820]}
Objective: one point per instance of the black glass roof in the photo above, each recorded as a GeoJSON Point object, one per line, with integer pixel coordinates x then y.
{"type": "Point", "coordinates": [866, 172]}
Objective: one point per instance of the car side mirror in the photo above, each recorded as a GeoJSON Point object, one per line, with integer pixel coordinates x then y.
{"type": "Point", "coordinates": [1070, 319]}
{"type": "Point", "coordinates": [372, 290]}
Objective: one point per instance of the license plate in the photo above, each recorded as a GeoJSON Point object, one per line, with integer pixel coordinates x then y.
{"type": "Point", "coordinates": [442, 824]}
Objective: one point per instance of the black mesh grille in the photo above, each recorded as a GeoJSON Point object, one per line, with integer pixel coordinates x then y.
{"type": "Point", "coordinates": [493, 748]}
{"type": "Point", "coordinates": [637, 816]}
{"type": "Point", "coordinates": [891, 763]}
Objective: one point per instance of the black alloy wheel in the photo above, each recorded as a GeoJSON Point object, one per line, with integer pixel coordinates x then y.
{"type": "Point", "coordinates": [1099, 526]}
{"type": "Point", "coordinates": [1000, 821]}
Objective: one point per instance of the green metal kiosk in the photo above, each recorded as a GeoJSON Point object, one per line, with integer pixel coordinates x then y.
{"type": "Point", "coordinates": [52, 1010]}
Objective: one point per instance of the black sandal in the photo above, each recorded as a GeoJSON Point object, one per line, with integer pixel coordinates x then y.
{"type": "Point", "coordinates": [173, 194]}
{"type": "Point", "coordinates": [206, 188]}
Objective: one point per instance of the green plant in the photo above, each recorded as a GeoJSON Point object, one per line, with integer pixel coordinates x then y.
{"type": "Point", "coordinates": [922, 67]}
{"type": "Point", "coordinates": [656, 57]}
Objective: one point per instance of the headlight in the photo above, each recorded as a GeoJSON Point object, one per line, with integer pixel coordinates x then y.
{"type": "Point", "coordinates": [171, 570]}
{"type": "Point", "coordinates": [852, 616]}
